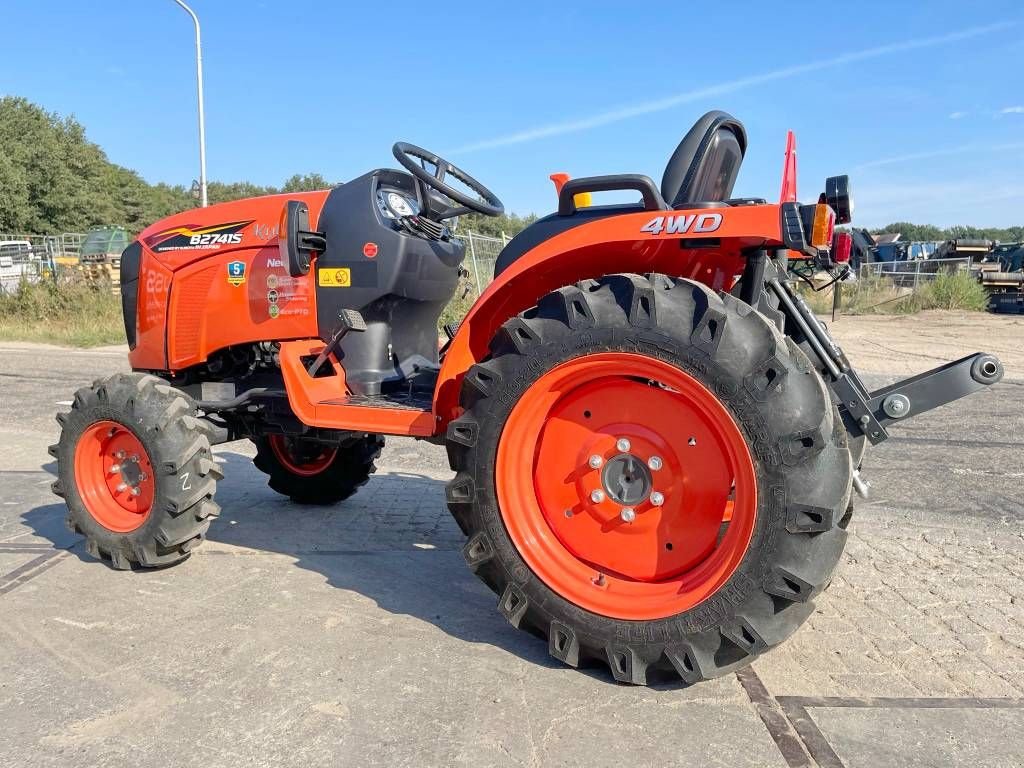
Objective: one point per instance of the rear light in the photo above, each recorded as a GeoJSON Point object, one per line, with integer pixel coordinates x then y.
{"type": "Point", "coordinates": [822, 226]}
{"type": "Point", "coordinates": [842, 247]}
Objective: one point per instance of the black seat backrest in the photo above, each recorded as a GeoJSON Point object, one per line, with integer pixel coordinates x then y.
{"type": "Point", "coordinates": [704, 166]}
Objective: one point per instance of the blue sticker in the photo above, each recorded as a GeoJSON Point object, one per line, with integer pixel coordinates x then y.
{"type": "Point", "coordinates": [236, 272]}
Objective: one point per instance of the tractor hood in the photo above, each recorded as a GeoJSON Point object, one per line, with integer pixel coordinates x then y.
{"type": "Point", "coordinates": [199, 233]}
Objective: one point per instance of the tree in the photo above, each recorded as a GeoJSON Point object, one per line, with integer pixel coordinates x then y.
{"type": "Point", "coordinates": [508, 224]}
{"type": "Point", "coordinates": [929, 232]}
{"type": "Point", "coordinates": [307, 182]}
{"type": "Point", "coordinates": [53, 179]}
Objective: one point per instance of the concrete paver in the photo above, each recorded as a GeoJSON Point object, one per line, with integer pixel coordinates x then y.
{"type": "Point", "coordinates": [355, 635]}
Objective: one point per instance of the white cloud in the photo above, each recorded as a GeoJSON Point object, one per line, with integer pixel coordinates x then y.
{"type": "Point", "coordinates": [660, 105]}
{"type": "Point", "coordinates": [957, 115]}
{"type": "Point", "coordinates": [980, 202]}
{"type": "Point", "coordinates": [1012, 111]}
{"type": "Point", "coordinates": [945, 152]}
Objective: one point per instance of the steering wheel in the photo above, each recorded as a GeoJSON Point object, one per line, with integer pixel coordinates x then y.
{"type": "Point", "coordinates": [433, 208]}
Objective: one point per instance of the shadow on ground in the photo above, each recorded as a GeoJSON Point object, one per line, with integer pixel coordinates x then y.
{"type": "Point", "coordinates": [394, 542]}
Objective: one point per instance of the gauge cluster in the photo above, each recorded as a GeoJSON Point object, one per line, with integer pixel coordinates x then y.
{"type": "Point", "coordinates": [394, 204]}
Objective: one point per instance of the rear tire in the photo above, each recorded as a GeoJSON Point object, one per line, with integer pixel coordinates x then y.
{"type": "Point", "coordinates": [317, 473]}
{"type": "Point", "coordinates": [784, 417]}
{"type": "Point", "coordinates": [135, 468]}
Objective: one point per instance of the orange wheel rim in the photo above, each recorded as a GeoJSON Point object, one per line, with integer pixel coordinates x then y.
{"type": "Point", "coordinates": [286, 452]}
{"type": "Point", "coordinates": [626, 486]}
{"type": "Point", "coordinates": [114, 476]}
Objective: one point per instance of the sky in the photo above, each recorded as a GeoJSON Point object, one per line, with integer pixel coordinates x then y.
{"type": "Point", "coordinates": [921, 103]}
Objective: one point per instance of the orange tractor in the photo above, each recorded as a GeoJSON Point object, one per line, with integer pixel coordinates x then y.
{"type": "Point", "coordinates": [654, 440]}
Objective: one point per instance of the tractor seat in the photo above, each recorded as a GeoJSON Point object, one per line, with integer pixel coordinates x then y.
{"type": "Point", "coordinates": [703, 169]}
{"type": "Point", "coordinates": [700, 174]}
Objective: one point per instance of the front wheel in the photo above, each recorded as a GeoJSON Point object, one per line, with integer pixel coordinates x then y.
{"type": "Point", "coordinates": [651, 477]}
{"type": "Point", "coordinates": [311, 472]}
{"type": "Point", "coordinates": [135, 468]}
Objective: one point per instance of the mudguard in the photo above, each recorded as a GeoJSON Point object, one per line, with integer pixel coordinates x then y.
{"type": "Point", "coordinates": [704, 244]}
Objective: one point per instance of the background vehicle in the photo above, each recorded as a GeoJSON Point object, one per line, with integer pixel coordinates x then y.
{"type": "Point", "coordinates": [654, 440]}
{"type": "Point", "coordinates": [18, 262]}
{"type": "Point", "coordinates": [964, 248]}
{"type": "Point", "coordinates": [100, 254]}
{"type": "Point", "coordinates": [1002, 275]}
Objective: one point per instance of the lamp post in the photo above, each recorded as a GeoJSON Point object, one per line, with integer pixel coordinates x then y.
{"type": "Point", "coordinates": [202, 121]}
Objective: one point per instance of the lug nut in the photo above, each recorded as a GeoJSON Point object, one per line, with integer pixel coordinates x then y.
{"type": "Point", "coordinates": [622, 444]}
{"type": "Point", "coordinates": [655, 463]}
{"type": "Point", "coordinates": [114, 469]}
{"type": "Point", "coordinates": [119, 455]}
{"type": "Point", "coordinates": [628, 514]}
{"type": "Point", "coordinates": [135, 458]}
{"type": "Point", "coordinates": [657, 498]}
{"type": "Point", "coordinates": [136, 491]}
{"type": "Point", "coordinates": [597, 496]}
{"type": "Point", "coordinates": [595, 462]}
{"type": "Point", "coordinates": [122, 487]}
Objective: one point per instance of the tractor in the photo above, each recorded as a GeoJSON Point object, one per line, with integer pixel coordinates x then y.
{"type": "Point", "coordinates": [654, 441]}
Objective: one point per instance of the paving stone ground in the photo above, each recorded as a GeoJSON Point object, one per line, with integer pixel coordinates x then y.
{"type": "Point", "coordinates": [354, 635]}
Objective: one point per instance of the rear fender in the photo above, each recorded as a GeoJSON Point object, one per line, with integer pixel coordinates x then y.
{"type": "Point", "coordinates": [709, 250]}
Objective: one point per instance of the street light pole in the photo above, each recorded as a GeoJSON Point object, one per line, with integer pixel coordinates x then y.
{"type": "Point", "coordinates": [202, 120]}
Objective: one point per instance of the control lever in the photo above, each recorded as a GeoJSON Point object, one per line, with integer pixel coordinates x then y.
{"type": "Point", "coordinates": [348, 320]}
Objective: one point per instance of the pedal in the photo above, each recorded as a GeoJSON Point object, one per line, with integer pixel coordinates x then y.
{"type": "Point", "coordinates": [348, 320]}
{"type": "Point", "coordinates": [351, 320]}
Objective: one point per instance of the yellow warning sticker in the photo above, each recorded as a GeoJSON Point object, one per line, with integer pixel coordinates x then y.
{"type": "Point", "coordinates": [335, 278]}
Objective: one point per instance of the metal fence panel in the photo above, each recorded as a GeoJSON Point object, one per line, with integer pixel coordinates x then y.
{"type": "Point", "coordinates": [481, 254]}
{"type": "Point", "coordinates": [910, 274]}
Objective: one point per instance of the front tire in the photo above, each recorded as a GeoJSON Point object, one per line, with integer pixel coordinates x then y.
{"type": "Point", "coordinates": [751, 456]}
{"type": "Point", "coordinates": [310, 472]}
{"type": "Point", "coordinates": [135, 468]}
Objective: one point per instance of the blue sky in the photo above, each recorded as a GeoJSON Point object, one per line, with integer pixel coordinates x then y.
{"type": "Point", "coordinates": [922, 103]}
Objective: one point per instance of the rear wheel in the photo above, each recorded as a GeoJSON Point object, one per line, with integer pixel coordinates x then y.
{"type": "Point", "coordinates": [650, 476]}
{"type": "Point", "coordinates": [136, 471]}
{"type": "Point", "coordinates": [312, 472]}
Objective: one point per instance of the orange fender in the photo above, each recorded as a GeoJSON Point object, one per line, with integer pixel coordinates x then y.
{"type": "Point", "coordinates": [623, 243]}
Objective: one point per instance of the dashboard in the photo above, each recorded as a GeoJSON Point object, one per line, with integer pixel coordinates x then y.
{"type": "Point", "coordinates": [395, 203]}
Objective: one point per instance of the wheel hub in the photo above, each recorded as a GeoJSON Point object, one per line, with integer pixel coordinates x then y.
{"type": "Point", "coordinates": [114, 476]}
{"type": "Point", "coordinates": [305, 458]}
{"type": "Point", "coordinates": [616, 487]}
{"type": "Point", "coordinates": [626, 479]}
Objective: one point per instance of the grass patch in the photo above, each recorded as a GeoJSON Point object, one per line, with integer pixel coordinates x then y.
{"type": "Point", "coordinates": [954, 290]}
{"type": "Point", "coordinates": [67, 313]}
{"type": "Point", "coordinates": [879, 295]}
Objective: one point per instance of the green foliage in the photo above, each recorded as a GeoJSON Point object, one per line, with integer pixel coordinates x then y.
{"type": "Point", "coordinates": [952, 290]}
{"type": "Point", "coordinates": [510, 224]}
{"type": "Point", "coordinates": [70, 313]}
{"type": "Point", "coordinates": [306, 182]}
{"type": "Point", "coordinates": [878, 295]}
{"type": "Point", "coordinates": [53, 179]}
{"type": "Point", "coordinates": [929, 232]}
